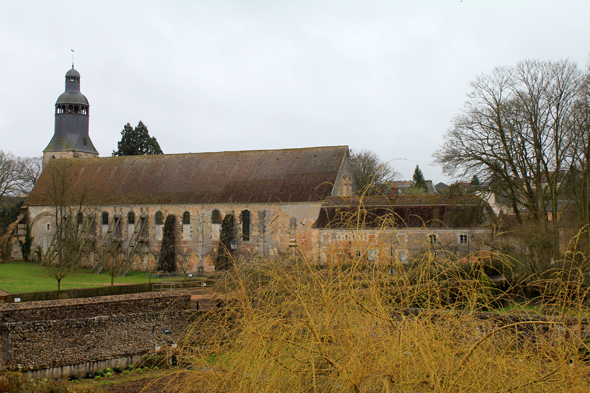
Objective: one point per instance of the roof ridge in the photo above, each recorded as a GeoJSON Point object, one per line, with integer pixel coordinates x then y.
{"type": "Point", "coordinates": [153, 156]}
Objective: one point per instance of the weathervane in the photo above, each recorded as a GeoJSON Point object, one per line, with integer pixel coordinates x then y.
{"type": "Point", "coordinates": [72, 58]}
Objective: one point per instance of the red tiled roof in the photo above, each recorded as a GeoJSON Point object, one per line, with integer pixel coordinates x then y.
{"type": "Point", "coordinates": [289, 175]}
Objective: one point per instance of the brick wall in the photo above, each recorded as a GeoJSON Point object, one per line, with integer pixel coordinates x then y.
{"type": "Point", "coordinates": [57, 333]}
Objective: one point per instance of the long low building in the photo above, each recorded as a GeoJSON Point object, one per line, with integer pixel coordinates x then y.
{"type": "Point", "coordinates": [398, 228]}
{"type": "Point", "coordinates": [274, 195]}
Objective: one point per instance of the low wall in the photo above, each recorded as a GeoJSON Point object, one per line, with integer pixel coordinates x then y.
{"type": "Point", "coordinates": [82, 368]}
{"type": "Point", "coordinates": [107, 290]}
{"type": "Point", "coordinates": [58, 333]}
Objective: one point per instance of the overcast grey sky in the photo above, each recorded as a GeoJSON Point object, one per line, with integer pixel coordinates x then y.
{"type": "Point", "coordinates": [239, 75]}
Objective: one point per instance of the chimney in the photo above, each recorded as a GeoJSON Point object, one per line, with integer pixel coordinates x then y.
{"type": "Point", "coordinates": [393, 191]}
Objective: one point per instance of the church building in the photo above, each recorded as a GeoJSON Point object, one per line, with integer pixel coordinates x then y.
{"type": "Point", "coordinates": [259, 202]}
{"type": "Point", "coordinates": [274, 196]}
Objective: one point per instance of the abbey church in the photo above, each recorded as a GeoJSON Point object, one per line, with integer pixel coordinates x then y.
{"type": "Point", "coordinates": [274, 195]}
{"type": "Point", "coordinates": [278, 202]}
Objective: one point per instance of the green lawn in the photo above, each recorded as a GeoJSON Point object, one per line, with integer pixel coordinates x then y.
{"type": "Point", "coordinates": [16, 277]}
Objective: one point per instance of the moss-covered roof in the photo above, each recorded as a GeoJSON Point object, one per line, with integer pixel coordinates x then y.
{"type": "Point", "coordinates": [404, 211]}
{"type": "Point", "coordinates": [289, 175]}
{"type": "Point", "coordinates": [405, 200]}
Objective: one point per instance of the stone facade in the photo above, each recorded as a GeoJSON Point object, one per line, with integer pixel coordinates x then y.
{"type": "Point", "coordinates": [401, 245]}
{"type": "Point", "coordinates": [270, 229]}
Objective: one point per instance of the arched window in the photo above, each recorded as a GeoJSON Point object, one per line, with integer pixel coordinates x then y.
{"type": "Point", "coordinates": [215, 217]}
{"type": "Point", "coordinates": [186, 225]}
{"type": "Point", "coordinates": [130, 218]}
{"type": "Point", "coordinates": [159, 218]}
{"type": "Point", "coordinates": [105, 218]}
{"type": "Point", "coordinates": [76, 109]}
{"type": "Point", "coordinates": [246, 225]}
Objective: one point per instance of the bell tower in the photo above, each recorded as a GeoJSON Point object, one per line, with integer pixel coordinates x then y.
{"type": "Point", "coordinates": [70, 137]}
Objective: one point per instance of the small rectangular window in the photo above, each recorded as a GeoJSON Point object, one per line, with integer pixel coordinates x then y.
{"type": "Point", "coordinates": [463, 239]}
{"type": "Point", "coordinates": [432, 239]}
{"type": "Point", "coordinates": [59, 140]}
{"type": "Point", "coordinates": [48, 227]}
{"type": "Point", "coordinates": [85, 141]}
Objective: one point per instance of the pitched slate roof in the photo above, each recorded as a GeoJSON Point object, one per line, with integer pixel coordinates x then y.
{"type": "Point", "coordinates": [404, 211]}
{"type": "Point", "coordinates": [404, 200]}
{"type": "Point", "coordinates": [259, 176]}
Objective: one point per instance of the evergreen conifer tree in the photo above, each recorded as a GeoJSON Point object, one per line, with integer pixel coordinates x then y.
{"type": "Point", "coordinates": [167, 258]}
{"type": "Point", "coordinates": [137, 141]}
{"type": "Point", "coordinates": [418, 178]}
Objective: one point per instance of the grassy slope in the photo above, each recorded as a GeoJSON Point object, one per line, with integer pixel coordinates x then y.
{"type": "Point", "coordinates": [19, 277]}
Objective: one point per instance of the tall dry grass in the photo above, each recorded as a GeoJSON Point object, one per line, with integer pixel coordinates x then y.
{"type": "Point", "coordinates": [290, 326]}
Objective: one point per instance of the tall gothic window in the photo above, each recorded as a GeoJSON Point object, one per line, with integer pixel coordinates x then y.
{"type": "Point", "coordinates": [246, 225]}
{"type": "Point", "coordinates": [186, 218]}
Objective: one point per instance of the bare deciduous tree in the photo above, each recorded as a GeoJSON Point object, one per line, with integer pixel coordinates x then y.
{"type": "Point", "coordinates": [30, 168]}
{"type": "Point", "coordinates": [371, 176]}
{"type": "Point", "coordinates": [517, 132]}
{"type": "Point", "coordinates": [9, 174]}
{"type": "Point", "coordinates": [70, 241]}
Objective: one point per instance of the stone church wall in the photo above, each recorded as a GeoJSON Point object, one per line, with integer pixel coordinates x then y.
{"type": "Point", "coordinates": [271, 229]}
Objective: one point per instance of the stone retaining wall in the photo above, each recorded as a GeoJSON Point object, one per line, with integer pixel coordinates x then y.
{"type": "Point", "coordinates": [56, 333]}
{"type": "Point", "coordinates": [90, 307]}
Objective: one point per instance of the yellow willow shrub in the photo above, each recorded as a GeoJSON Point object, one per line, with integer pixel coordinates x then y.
{"type": "Point", "coordinates": [293, 326]}
{"type": "Point", "coordinates": [290, 327]}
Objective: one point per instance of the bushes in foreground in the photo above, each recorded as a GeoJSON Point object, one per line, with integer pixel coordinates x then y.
{"type": "Point", "coordinates": [292, 327]}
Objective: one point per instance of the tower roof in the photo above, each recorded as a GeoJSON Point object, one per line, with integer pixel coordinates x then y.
{"type": "Point", "coordinates": [72, 97]}
{"type": "Point", "coordinates": [71, 120]}
{"type": "Point", "coordinates": [72, 94]}
{"type": "Point", "coordinates": [73, 72]}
